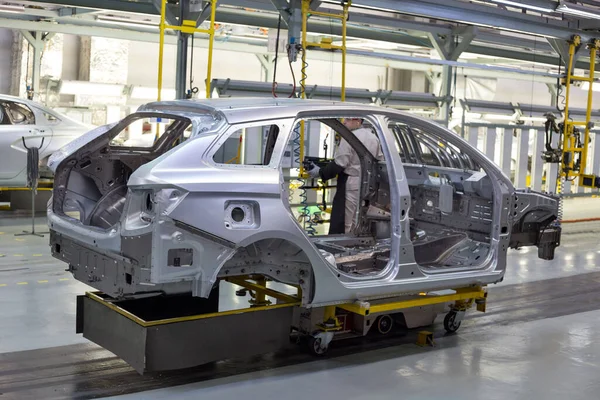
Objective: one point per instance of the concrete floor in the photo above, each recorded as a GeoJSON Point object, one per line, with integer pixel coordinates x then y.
{"type": "Point", "coordinates": [550, 358]}
{"type": "Point", "coordinates": [554, 358]}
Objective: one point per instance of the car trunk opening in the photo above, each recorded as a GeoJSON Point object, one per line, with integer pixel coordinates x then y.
{"type": "Point", "coordinates": [91, 184]}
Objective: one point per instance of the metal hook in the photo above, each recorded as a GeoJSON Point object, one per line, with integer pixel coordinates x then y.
{"type": "Point", "coordinates": [27, 148]}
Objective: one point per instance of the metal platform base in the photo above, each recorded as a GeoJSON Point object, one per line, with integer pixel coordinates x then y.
{"type": "Point", "coordinates": [148, 342]}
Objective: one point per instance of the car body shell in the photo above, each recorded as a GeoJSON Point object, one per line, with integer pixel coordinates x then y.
{"type": "Point", "coordinates": [192, 197]}
{"type": "Point", "coordinates": [46, 128]}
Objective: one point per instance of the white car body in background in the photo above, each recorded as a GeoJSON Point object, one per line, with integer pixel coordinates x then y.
{"type": "Point", "coordinates": [20, 118]}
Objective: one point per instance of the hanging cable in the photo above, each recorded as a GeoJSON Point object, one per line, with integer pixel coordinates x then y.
{"type": "Point", "coordinates": [304, 212]}
{"type": "Point", "coordinates": [559, 94]}
{"type": "Point", "coordinates": [274, 85]}
{"type": "Point", "coordinates": [293, 81]}
{"type": "Point", "coordinates": [451, 109]}
{"type": "Point", "coordinates": [304, 76]}
{"type": "Point", "coordinates": [193, 90]}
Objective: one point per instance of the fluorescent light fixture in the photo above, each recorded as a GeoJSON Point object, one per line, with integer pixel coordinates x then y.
{"type": "Point", "coordinates": [110, 19]}
{"type": "Point", "coordinates": [13, 9]}
{"type": "Point", "coordinates": [151, 93]}
{"type": "Point", "coordinates": [422, 112]}
{"type": "Point", "coordinates": [499, 117]}
{"type": "Point", "coordinates": [533, 119]}
{"type": "Point", "coordinates": [361, 44]}
{"type": "Point", "coordinates": [528, 6]}
{"type": "Point", "coordinates": [91, 88]}
{"type": "Point", "coordinates": [578, 11]}
{"type": "Point", "coordinates": [490, 116]}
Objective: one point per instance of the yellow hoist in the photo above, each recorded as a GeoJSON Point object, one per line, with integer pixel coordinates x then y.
{"type": "Point", "coordinates": [572, 151]}
{"type": "Point", "coordinates": [325, 44]}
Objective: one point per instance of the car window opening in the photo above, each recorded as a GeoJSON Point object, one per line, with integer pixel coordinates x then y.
{"type": "Point", "coordinates": [452, 200]}
{"type": "Point", "coordinates": [450, 215]}
{"type": "Point", "coordinates": [251, 145]}
{"type": "Point", "coordinates": [342, 150]}
{"type": "Point", "coordinates": [97, 183]}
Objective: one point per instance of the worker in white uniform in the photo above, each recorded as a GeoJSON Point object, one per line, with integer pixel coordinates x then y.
{"type": "Point", "coordinates": [346, 166]}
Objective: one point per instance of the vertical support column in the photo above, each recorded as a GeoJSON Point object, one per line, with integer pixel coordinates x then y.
{"type": "Point", "coordinates": [446, 92]}
{"type": "Point", "coordinates": [36, 41]}
{"type": "Point", "coordinates": [161, 45]}
{"type": "Point", "coordinates": [537, 164]}
{"type": "Point", "coordinates": [473, 135]}
{"type": "Point", "coordinates": [522, 158]}
{"type": "Point", "coordinates": [344, 19]}
{"type": "Point", "coordinates": [505, 151]}
{"type": "Point", "coordinates": [211, 43]}
{"type": "Point", "coordinates": [16, 64]}
{"type": "Point", "coordinates": [85, 54]}
{"type": "Point", "coordinates": [489, 142]}
{"type": "Point", "coordinates": [181, 65]}
{"type": "Point", "coordinates": [38, 47]}
{"type": "Point", "coordinates": [182, 53]}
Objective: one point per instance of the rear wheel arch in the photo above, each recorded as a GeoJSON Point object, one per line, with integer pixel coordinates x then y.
{"type": "Point", "coordinates": [278, 259]}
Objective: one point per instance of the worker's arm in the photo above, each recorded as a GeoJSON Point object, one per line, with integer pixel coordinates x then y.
{"type": "Point", "coordinates": [339, 163]}
{"type": "Point", "coordinates": [331, 170]}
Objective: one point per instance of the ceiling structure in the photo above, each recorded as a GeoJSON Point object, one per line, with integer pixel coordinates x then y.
{"type": "Point", "coordinates": [517, 35]}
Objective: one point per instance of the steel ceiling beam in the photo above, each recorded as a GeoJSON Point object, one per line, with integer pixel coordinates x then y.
{"type": "Point", "coordinates": [359, 58]}
{"type": "Point", "coordinates": [394, 35]}
{"type": "Point", "coordinates": [450, 10]}
{"type": "Point", "coordinates": [524, 56]}
{"type": "Point", "coordinates": [142, 7]}
{"type": "Point", "coordinates": [465, 12]}
{"type": "Point", "coordinates": [481, 15]}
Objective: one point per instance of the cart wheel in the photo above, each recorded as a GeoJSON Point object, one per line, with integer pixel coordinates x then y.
{"type": "Point", "coordinates": [450, 323]}
{"type": "Point", "coordinates": [315, 346]}
{"type": "Point", "coordinates": [384, 324]}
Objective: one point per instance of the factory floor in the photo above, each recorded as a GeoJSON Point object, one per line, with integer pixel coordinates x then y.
{"type": "Point", "coordinates": [539, 339]}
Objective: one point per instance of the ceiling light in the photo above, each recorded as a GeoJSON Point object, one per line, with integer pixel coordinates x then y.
{"type": "Point", "coordinates": [124, 20]}
{"type": "Point", "coordinates": [91, 88]}
{"type": "Point", "coordinates": [533, 119]}
{"type": "Point", "coordinates": [528, 6]}
{"type": "Point", "coordinates": [151, 93]}
{"type": "Point", "coordinates": [8, 8]}
{"type": "Point", "coordinates": [578, 11]}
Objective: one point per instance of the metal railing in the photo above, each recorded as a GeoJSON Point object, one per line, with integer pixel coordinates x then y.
{"type": "Point", "coordinates": [517, 150]}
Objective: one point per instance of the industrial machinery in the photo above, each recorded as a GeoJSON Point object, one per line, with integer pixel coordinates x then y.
{"type": "Point", "coordinates": [571, 153]}
{"type": "Point", "coordinates": [169, 222]}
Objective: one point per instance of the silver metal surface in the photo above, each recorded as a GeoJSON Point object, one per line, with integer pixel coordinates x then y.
{"type": "Point", "coordinates": [178, 199]}
{"type": "Point", "coordinates": [45, 127]}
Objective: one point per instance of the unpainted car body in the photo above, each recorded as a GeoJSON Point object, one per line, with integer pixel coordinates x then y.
{"type": "Point", "coordinates": [23, 119]}
{"type": "Point", "coordinates": [436, 214]}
